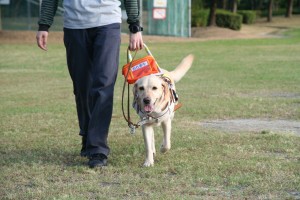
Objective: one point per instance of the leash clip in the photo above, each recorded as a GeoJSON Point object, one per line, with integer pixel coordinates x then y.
{"type": "Point", "coordinates": [132, 129]}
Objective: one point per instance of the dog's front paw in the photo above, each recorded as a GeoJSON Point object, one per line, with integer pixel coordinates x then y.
{"type": "Point", "coordinates": [148, 163]}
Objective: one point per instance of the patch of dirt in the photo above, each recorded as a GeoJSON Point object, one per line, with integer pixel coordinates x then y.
{"type": "Point", "coordinates": [261, 29]}
{"type": "Point", "coordinates": [254, 125]}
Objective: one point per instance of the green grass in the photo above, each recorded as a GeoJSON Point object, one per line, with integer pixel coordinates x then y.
{"type": "Point", "coordinates": [257, 78]}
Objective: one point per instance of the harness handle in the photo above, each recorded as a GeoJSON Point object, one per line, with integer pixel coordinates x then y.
{"type": "Point", "coordinates": [129, 57]}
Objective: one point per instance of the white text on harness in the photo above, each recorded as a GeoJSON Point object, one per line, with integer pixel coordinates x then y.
{"type": "Point", "coordinates": [139, 66]}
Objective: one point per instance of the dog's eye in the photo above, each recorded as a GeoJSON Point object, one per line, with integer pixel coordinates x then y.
{"type": "Point", "coordinates": [154, 88]}
{"type": "Point", "coordinates": [141, 88]}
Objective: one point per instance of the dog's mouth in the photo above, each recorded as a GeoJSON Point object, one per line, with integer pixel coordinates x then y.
{"type": "Point", "coordinates": [148, 108]}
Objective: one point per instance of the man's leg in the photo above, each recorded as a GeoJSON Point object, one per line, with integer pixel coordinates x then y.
{"type": "Point", "coordinates": [106, 49]}
{"type": "Point", "coordinates": [78, 52]}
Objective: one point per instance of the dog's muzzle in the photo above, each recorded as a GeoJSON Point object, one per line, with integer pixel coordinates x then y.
{"type": "Point", "coordinates": [148, 106]}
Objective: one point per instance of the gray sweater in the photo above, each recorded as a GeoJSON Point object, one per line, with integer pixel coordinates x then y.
{"type": "Point", "coordinates": [81, 14]}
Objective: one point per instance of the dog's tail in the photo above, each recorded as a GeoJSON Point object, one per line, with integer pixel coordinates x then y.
{"type": "Point", "coordinates": [182, 68]}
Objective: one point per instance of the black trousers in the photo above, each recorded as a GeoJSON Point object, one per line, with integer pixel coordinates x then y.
{"type": "Point", "coordinates": [93, 58]}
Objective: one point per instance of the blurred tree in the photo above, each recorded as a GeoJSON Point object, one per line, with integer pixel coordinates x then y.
{"type": "Point", "coordinates": [234, 6]}
{"type": "Point", "coordinates": [198, 4]}
{"type": "Point", "coordinates": [224, 4]}
{"type": "Point", "coordinates": [260, 4]}
{"type": "Point", "coordinates": [212, 13]}
{"type": "Point", "coordinates": [270, 10]}
{"type": "Point", "coordinates": [289, 9]}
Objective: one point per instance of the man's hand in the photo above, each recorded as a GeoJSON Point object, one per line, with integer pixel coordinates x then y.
{"type": "Point", "coordinates": [41, 39]}
{"type": "Point", "coordinates": [135, 41]}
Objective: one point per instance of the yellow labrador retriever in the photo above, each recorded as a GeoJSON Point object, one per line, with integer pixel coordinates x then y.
{"type": "Point", "coordinates": [154, 100]}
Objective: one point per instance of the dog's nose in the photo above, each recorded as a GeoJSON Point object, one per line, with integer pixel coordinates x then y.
{"type": "Point", "coordinates": [146, 100]}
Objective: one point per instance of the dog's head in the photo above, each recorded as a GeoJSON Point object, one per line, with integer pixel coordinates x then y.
{"type": "Point", "coordinates": [151, 93]}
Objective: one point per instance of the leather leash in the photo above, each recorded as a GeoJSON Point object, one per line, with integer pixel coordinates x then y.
{"type": "Point", "coordinates": [131, 125]}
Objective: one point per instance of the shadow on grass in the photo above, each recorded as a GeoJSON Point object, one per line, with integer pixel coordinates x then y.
{"type": "Point", "coordinates": [42, 157]}
{"type": "Point", "coordinates": [122, 154]}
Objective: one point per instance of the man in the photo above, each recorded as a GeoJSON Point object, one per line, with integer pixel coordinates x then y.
{"type": "Point", "coordinates": [92, 41]}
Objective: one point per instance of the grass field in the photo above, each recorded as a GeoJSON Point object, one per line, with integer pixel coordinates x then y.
{"type": "Point", "coordinates": [230, 79]}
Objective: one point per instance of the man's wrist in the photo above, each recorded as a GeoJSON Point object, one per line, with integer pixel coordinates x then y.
{"type": "Point", "coordinates": [135, 27]}
{"type": "Point", "coordinates": [43, 27]}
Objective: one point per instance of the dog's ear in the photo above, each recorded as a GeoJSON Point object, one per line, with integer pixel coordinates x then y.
{"type": "Point", "coordinates": [134, 90]}
{"type": "Point", "coordinates": [166, 91]}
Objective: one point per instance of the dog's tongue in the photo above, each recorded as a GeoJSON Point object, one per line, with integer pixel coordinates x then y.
{"type": "Point", "coordinates": [148, 108]}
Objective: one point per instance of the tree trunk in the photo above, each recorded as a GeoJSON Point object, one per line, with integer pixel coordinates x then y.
{"type": "Point", "coordinates": [234, 6]}
{"type": "Point", "coordinates": [270, 10]}
{"type": "Point", "coordinates": [212, 13]}
{"type": "Point", "coordinates": [289, 9]}
{"type": "Point", "coordinates": [224, 4]}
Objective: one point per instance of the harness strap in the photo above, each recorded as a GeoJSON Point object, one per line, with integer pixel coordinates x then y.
{"type": "Point", "coordinates": [177, 106]}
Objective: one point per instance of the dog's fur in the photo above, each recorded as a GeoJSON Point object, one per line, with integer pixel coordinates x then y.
{"type": "Point", "coordinates": [153, 99]}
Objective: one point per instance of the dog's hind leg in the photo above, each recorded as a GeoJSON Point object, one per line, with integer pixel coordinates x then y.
{"type": "Point", "coordinates": [166, 144]}
{"type": "Point", "coordinates": [148, 134]}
